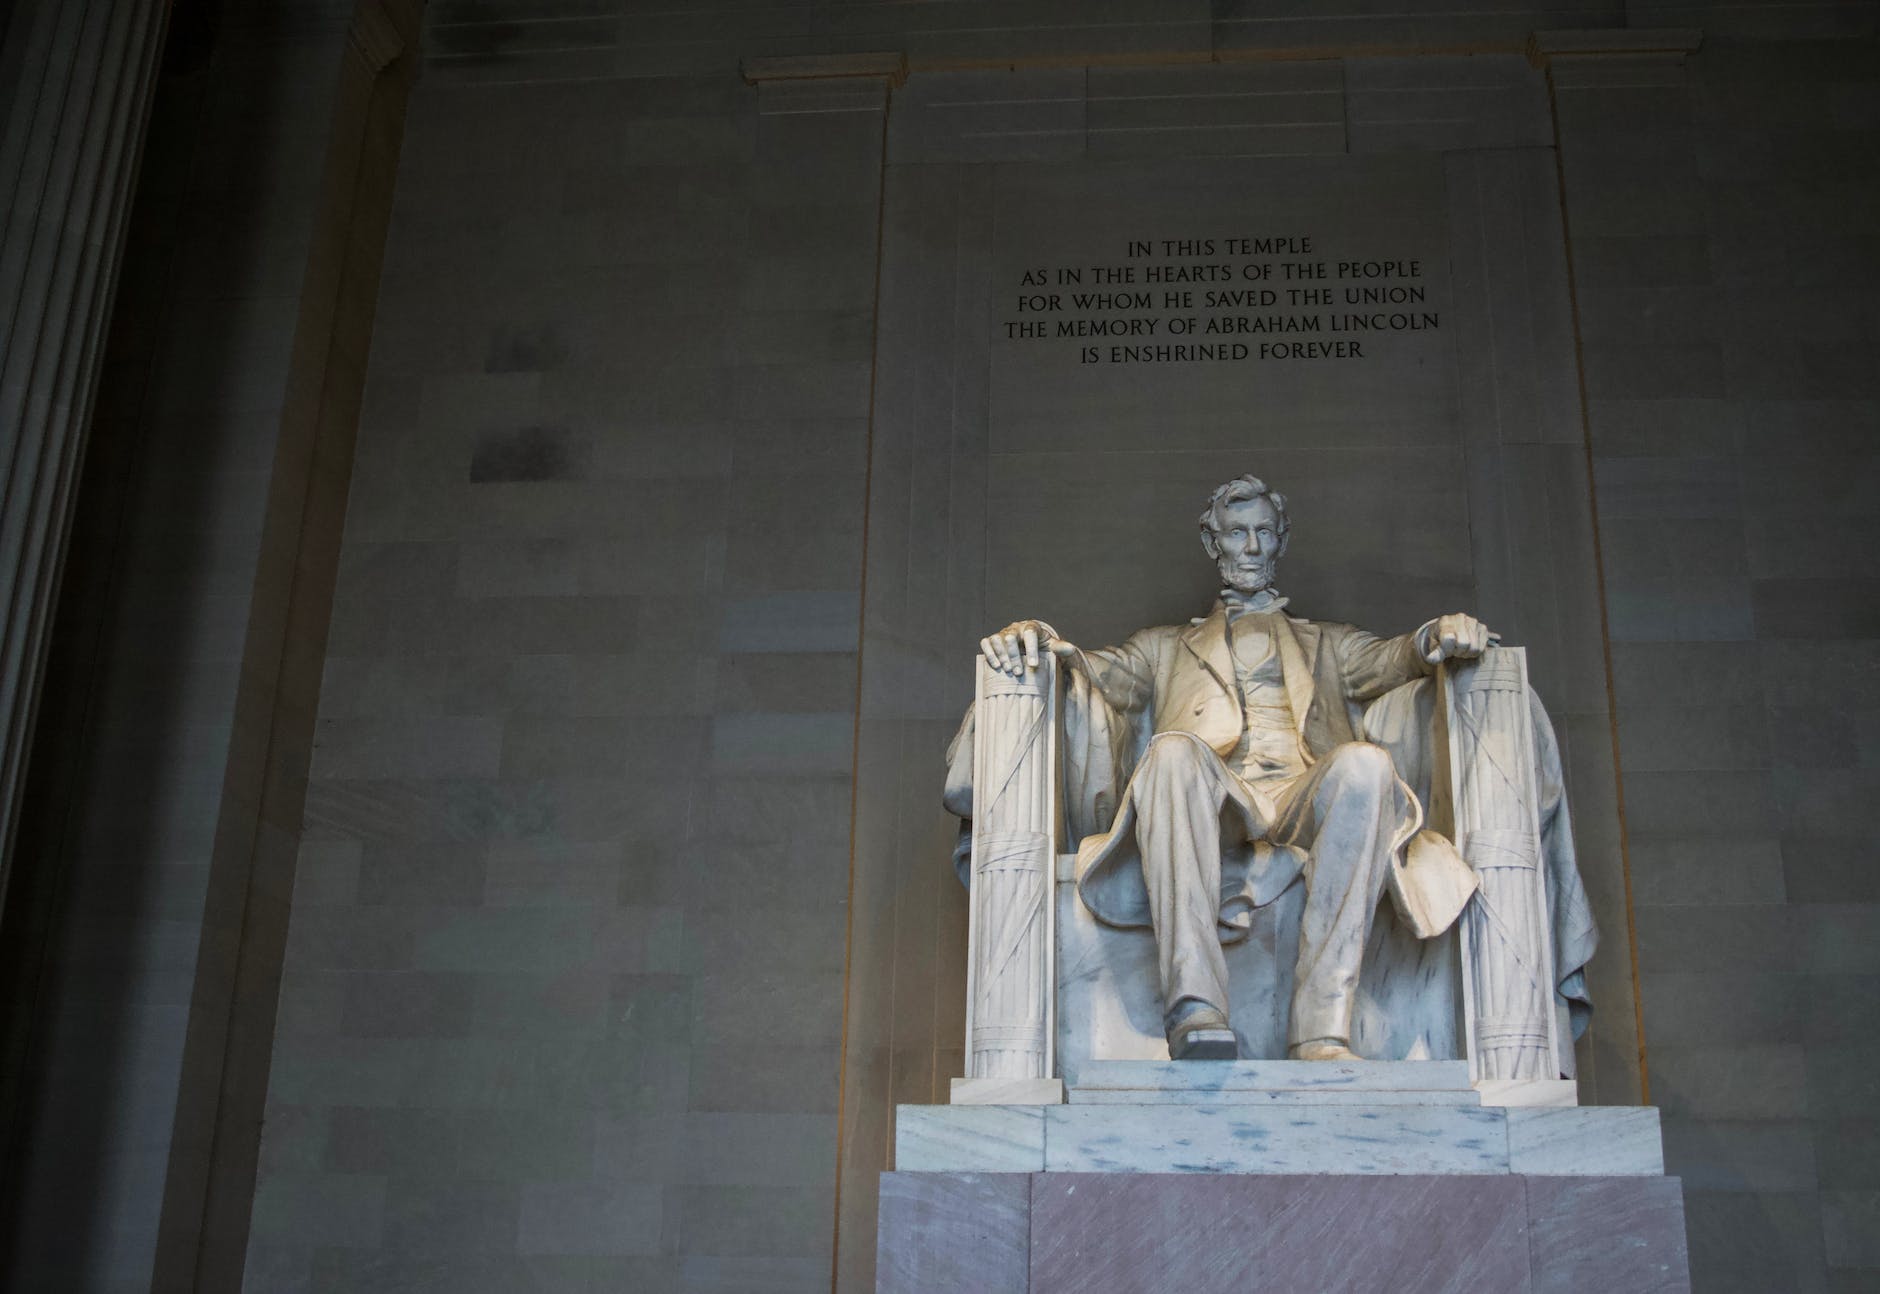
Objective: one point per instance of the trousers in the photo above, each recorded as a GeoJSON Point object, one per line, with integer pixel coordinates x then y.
{"type": "Point", "coordinates": [1343, 813]}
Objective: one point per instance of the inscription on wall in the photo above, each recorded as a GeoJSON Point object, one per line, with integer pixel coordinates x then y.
{"type": "Point", "coordinates": [1212, 303]}
{"type": "Point", "coordinates": [1222, 299]}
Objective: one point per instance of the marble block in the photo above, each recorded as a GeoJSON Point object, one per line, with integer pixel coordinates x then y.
{"type": "Point", "coordinates": [1380, 1076]}
{"type": "Point", "coordinates": [1617, 1235]}
{"type": "Point", "coordinates": [1007, 1091]}
{"type": "Point", "coordinates": [1318, 1233]}
{"type": "Point", "coordinates": [1528, 1091]}
{"type": "Point", "coordinates": [1591, 1140]}
{"type": "Point", "coordinates": [1291, 1139]}
{"type": "Point", "coordinates": [969, 1138]}
{"type": "Point", "coordinates": [1066, 1233]}
{"type": "Point", "coordinates": [1262, 1137]}
{"type": "Point", "coordinates": [1268, 1096]}
{"type": "Point", "coordinates": [953, 1231]}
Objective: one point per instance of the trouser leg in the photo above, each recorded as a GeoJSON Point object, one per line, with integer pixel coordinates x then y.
{"type": "Point", "coordinates": [1178, 795]}
{"type": "Point", "coordinates": [1345, 814]}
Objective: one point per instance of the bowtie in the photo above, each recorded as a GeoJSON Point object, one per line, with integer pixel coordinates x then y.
{"type": "Point", "coordinates": [1239, 604]}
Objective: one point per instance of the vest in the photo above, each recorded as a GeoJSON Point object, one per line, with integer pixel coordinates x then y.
{"type": "Point", "coordinates": [1268, 750]}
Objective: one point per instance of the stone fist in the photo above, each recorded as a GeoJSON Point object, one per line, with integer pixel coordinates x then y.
{"type": "Point", "coordinates": [1014, 649]}
{"type": "Point", "coordinates": [1453, 636]}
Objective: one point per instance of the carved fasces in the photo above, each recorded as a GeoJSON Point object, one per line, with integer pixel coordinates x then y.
{"type": "Point", "coordinates": [1508, 988]}
{"type": "Point", "coordinates": [1010, 1025]}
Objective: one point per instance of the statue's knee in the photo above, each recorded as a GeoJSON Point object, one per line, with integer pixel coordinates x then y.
{"type": "Point", "coordinates": [1174, 754]}
{"type": "Point", "coordinates": [1364, 763]}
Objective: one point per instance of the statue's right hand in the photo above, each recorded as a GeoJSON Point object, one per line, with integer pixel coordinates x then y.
{"type": "Point", "coordinates": [1014, 649]}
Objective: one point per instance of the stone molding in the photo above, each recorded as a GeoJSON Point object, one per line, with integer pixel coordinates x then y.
{"type": "Point", "coordinates": [819, 67]}
{"type": "Point", "coordinates": [375, 37]}
{"type": "Point", "coordinates": [75, 120]}
{"type": "Point", "coordinates": [1614, 42]}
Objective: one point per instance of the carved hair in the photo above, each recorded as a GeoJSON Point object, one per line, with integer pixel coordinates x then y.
{"type": "Point", "coordinates": [1241, 489]}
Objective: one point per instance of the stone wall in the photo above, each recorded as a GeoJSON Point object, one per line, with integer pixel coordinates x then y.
{"type": "Point", "coordinates": [505, 40]}
{"type": "Point", "coordinates": [1727, 265]}
{"type": "Point", "coordinates": [563, 992]}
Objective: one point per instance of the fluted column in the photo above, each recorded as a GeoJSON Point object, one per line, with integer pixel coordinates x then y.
{"type": "Point", "coordinates": [1508, 988]}
{"type": "Point", "coordinates": [76, 82]}
{"type": "Point", "coordinates": [1011, 984]}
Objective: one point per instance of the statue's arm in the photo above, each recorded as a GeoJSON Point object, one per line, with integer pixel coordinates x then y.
{"type": "Point", "coordinates": [1124, 675]}
{"type": "Point", "coordinates": [1371, 666]}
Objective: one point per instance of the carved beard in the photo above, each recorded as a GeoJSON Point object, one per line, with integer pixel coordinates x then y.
{"type": "Point", "coordinates": [1255, 576]}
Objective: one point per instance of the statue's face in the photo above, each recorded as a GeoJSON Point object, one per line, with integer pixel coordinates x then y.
{"type": "Point", "coordinates": [1248, 544]}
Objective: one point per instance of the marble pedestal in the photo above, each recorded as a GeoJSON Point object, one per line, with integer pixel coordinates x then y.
{"type": "Point", "coordinates": [1267, 1175]}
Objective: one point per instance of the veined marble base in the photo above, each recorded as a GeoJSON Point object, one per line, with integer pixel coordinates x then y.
{"type": "Point", "coordinates": [1242, 1138]}
{"type": "Point", "coordinates": [1300, 1082]}
{"type": "Point", "coordinates": [1528, 1091]}
{"type": "Point", "coordinates": [1066, 1233]}
{"type": "Point", "coordinates": [1264, 1096]}
{"type": "Point", "coordinates": [1382, 1079]}
{"type": "Point", "coordinates": [1287, 1175]}
{"type": "Point", "coordinates": [1007, 1091]}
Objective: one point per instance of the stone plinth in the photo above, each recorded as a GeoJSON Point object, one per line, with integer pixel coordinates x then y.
{"type": "Point", "coordinates": [1279, 1116]}
{"type": "Point", "coordinates": [1046, 1233]}
{"type": "Point", "coordinates": [1281, 1175]}
{"type": "Point", "coordinates": [1220, 1137]}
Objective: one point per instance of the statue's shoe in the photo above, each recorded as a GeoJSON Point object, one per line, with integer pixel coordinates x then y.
{"type": "Point", "coordinates": [1321, 1049]}
{"type": "Point", "coordinates": [1203, 1035]}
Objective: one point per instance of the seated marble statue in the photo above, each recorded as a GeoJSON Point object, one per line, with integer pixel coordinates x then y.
{"type": "Point", "coordinates": [1238, 745]}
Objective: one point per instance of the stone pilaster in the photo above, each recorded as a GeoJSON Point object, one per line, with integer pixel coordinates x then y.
{"type": "Point", "coordinates": [76, 81]}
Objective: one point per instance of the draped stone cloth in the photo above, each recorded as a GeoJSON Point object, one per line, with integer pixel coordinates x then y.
{"type": "Point", "coordinates": [1344, 686]}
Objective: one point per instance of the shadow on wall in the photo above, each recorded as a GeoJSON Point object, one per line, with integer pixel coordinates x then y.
{"type": "Point", "coordinates": [99, 936]}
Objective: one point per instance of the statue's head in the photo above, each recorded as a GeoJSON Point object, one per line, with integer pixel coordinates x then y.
{"type": "Point", "coordinates": [1245, 529]}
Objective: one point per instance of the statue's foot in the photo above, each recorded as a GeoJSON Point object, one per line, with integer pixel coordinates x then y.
{"type": "Point", "coordinates": [1202, 1034]}
{"type": "Point", "coordinates": [1322, 1049]}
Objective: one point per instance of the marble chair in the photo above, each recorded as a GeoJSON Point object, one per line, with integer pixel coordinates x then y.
{"type": "Point", "coordinates": [1052, 989]}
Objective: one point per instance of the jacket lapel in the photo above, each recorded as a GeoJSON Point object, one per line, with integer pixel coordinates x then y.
{"type": "Point", "coordinates": [1299, 659]}
{"type": "Point", "coordinates": [1208, 641]}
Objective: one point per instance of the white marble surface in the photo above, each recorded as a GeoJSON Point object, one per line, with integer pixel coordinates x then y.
{"type": "Point", "coordinates": [1592, 1140]}
{"type": "Point", "coordinates": [1495, 801]}
{"type": "Point", "coordinates": [1528, 1091]}
{"type": "Point", "coordinates": [1011, 975]}
{"type": "Point", "coordinates": [969, 1138]}
{"type": "Point", "coordinates": [1269, 1096]}
{"type": "Point", "coordinates": [1242, 1139]}
{"type": "Point", "coordinates": [1280, 1138]}
{"type": "Point", "coordinates": [1007, 1091]}
{"type": "Point", "coordinates": [1109, 1006]}
{"type": "Point", "coordinates": [1274, 1075]}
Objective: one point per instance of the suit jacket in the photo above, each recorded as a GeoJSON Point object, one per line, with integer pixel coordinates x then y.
{"type": "Point", "coordinates": [1181, 678]}
{"type": "Point", "coordinates": [1184, 677]}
